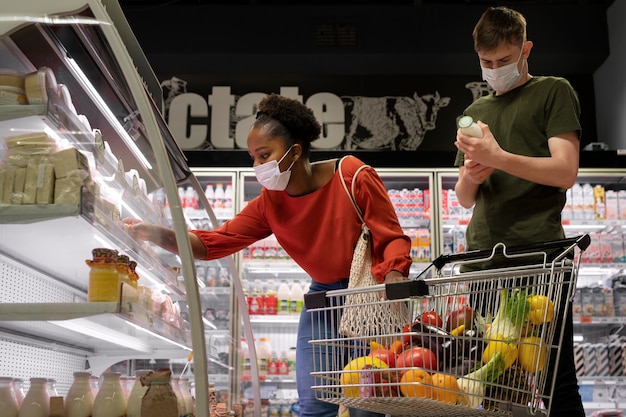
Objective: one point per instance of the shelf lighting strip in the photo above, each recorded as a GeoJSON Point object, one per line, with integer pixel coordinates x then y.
{"type": "Point", "coordinates": [97, 331]}
{"type": "Point", "coordinates": [102, 106]}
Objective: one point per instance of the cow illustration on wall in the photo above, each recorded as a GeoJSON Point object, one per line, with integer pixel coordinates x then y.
{"type": "Point", "coordinates": [392, 123]}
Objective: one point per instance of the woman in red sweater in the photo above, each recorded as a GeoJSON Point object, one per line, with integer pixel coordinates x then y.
{"type": "Point", "coordinates": [305, 206]}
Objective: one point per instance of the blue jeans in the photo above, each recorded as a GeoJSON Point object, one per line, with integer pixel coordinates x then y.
{"type": "Point", "coordinates": [309, 405]}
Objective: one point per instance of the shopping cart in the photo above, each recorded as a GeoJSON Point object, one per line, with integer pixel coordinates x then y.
{"type": "Point", "coordinates": [472, 343]}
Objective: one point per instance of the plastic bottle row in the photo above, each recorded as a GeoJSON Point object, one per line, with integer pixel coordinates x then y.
{"type": "Point", "coordinates": [272, 298]}
{"type": "Point", "coordinates": [270, 361]}
{"type": "Point", "coordinates": [90, 396]}
{"type": "Point", "coordinates": [219, 196]}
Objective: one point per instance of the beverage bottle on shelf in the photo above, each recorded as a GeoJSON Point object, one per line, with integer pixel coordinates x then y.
{"type": "Point", "coordinates": [182, 407]}
{"type": "Point", "coordinates": [36, 401]}
{"type": "Point", "coordinates": [51, 387]}
{"type": "Point", "coordinates": [256, 300]}
{"type": "Point", "coordinates": [79, 398]}
{"type": "Point", "coordinates": [8, 401]}
{"type": "Point", "coordinates": [271, 247]}
{"type": "Point", "coordinates": [228, 200]}
{"type": "Point", "coordinates": [272, 364]}
{"type": "Point", "coordinates": [245, 360]}
{"type": "Point", "coordinates": [264, 351]}
{"type": "Point", "coordinates": [191, 199]}
{"type": "Point", "coordinates": [296, 298]}
{"type": "Point", "coordinates": [283, 298]}
{"type": "Point", "coordinates": [109, 401]}
{"type": "Point", "coordinates": [270, 300]}
{"type": "Point", "coordinates": [183, 386]}
{"type": "Point", "coordinates": [209, 192]}
{"type": "Point", "coordinates": [245, 286]}
{"type": "Point", "coordinates": [18, 386]}
{"type": "Point", "coordinates": [133, 407]}
{"type": "Point", "coordinates": [291, 358]}
{"type": "Point", "coordinates": [219, 199]}
{"type": "Point", "coordinates": [469, 127]}
{"type": "Point", "coordinates": [181, 196]}
{"type": "Point", "coordinates": [283, 364]}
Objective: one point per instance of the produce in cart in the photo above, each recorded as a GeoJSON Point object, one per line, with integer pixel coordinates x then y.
{"type": "Point", "coordinates": [474, 384]}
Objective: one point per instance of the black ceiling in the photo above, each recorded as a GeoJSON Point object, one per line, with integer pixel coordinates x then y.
{"type": "Point", "coordinates": [356, 36]}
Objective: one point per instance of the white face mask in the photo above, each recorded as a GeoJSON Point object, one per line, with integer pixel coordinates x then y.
{"type": "Point", "coordinates": [504, 78]}
{"type": "Point", "coordinates": [269, 175]}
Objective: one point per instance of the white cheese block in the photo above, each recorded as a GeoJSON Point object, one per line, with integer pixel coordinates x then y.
{"type": "Point", "coordinates": [30, 185]}
{"type": "Point", "coordinates": [18, 186]}
{"type": "Point", "coordinates": [69, 161]}
{"type": "Point", "coordinates": [67, 189]}
{"type": "Point", "coordinates": [45, 184]}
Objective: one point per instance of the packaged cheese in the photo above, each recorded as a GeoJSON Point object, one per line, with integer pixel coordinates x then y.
{"type": "Point", "coordinates": [30, 185]}
{"type": "Point", "coordinates": [67, 190]}
{"type": "Point", "coordinates": [70, 161]}
{"type": "Point", "coordinates": [8, 179]}
{"type": "Point", "coordinates": [45, 184]}
{"type": "Point", "coordinates": [18, 186]}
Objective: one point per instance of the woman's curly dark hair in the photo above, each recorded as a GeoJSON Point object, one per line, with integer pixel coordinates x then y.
{"type": "Point", "coordinates": [287, 117]}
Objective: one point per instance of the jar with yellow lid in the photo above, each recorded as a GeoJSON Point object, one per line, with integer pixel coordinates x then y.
{"type": "Point", "coordinates": [103, 277]}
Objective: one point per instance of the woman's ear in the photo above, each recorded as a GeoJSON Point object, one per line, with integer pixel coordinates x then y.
{"type": "Point", "coordinates": [297, 151]}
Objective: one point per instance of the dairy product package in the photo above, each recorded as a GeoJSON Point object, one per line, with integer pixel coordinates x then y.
{"type": "Point", "coordinates": [20, 149]}
{"type": "Point", "coordinates": [8, 179]}
{"type": "Point", "coordinates": [67, 190]}
{"type": "Point", "coordinates": [30, 184]}
{"type": "Point", "coordinates": [71, 161]}
{"type": "Point", "coordinates": [18, 186]}
{"type": "Point", "coordinates": [45, 184]}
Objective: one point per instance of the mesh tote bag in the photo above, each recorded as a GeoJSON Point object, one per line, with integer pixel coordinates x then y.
{"type": "Point", "coordinates": [365, 313]}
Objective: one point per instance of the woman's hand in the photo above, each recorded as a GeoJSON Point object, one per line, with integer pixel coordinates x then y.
{"type": "Point", "coordinates": [394, 276]}
{"type": "Point", "coordinates": [138, 229]}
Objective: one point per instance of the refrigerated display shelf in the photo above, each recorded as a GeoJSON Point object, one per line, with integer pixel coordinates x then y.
{"type": "Point", "coordinates": [101, 327]}
{"type": "Point", "coordinates": [51, 249]}
{"type": "Point", "coordinates": [271, 320]}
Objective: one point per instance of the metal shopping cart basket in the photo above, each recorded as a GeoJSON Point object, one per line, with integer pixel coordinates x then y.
{"type": "Point", "coordinates": [472, 343]}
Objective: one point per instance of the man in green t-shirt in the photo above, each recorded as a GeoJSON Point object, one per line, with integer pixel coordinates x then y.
{"type": "Point", "coordinates": [516, 175]}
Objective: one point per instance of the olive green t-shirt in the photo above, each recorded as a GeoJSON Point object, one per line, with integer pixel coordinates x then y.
{"type": "Point", "coordinates": [509, 209]}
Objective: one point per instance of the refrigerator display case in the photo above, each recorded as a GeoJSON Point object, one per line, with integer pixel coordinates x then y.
{"type": "Point", "coordinates": [596, 205]}
{"type": "Point", "coordinates": [82, 146]}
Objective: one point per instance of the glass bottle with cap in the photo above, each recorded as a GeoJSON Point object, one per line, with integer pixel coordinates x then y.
{"type": "Point", "coordinates": [469, 127]}
{"type": "Point", "coordinates": [110, 401]}
{"type": "Point", "coordinates": [8, 401]}
{"type": "Point", "coordinates": [79, 398]}
{"type": "Point", "coordinates": [37, 401]}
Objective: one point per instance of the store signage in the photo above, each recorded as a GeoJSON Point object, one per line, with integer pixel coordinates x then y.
{"type": "Point", "coordinates": [222, 120]}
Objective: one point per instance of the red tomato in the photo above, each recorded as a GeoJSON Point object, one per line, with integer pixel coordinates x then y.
{"type": "Point", "coordinates": [384, 355]}
{"type": "Point", "coordinates": [417, 357]}
{"type": "Point", "coordinates": [432, 318]}
{"type": "Point", "coordinates": [406, 338]}
{"type": "Point", "coordinates": [463, 315]}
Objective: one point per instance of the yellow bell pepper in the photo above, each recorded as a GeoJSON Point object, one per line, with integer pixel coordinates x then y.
{"type": "Point", "coordinates": [508, 351]}
{"type": "Point", "coordinates": [541, 309]}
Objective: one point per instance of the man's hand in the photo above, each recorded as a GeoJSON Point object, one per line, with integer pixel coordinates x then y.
{"type": "Point", "coordinates": [475, 172]}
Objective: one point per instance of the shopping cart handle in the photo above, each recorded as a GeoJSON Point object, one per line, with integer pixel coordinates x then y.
{"type": "Point", "coordinates": [316, 299]}
{"type": "Point", "coordinates": [403, 289]}
{"type": "Point", "coordinates": [582, 242]}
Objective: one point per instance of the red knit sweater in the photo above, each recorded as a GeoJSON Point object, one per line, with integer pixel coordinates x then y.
{"type": "Point", "coordinates": [319, 230]}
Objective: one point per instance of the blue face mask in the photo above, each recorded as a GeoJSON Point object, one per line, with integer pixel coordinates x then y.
{"type": "Point", "coordinates": [269, 175]}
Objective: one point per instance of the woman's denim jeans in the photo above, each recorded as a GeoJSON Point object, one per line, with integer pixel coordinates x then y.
{"type": "Point", "coordinates": [309, 405]}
